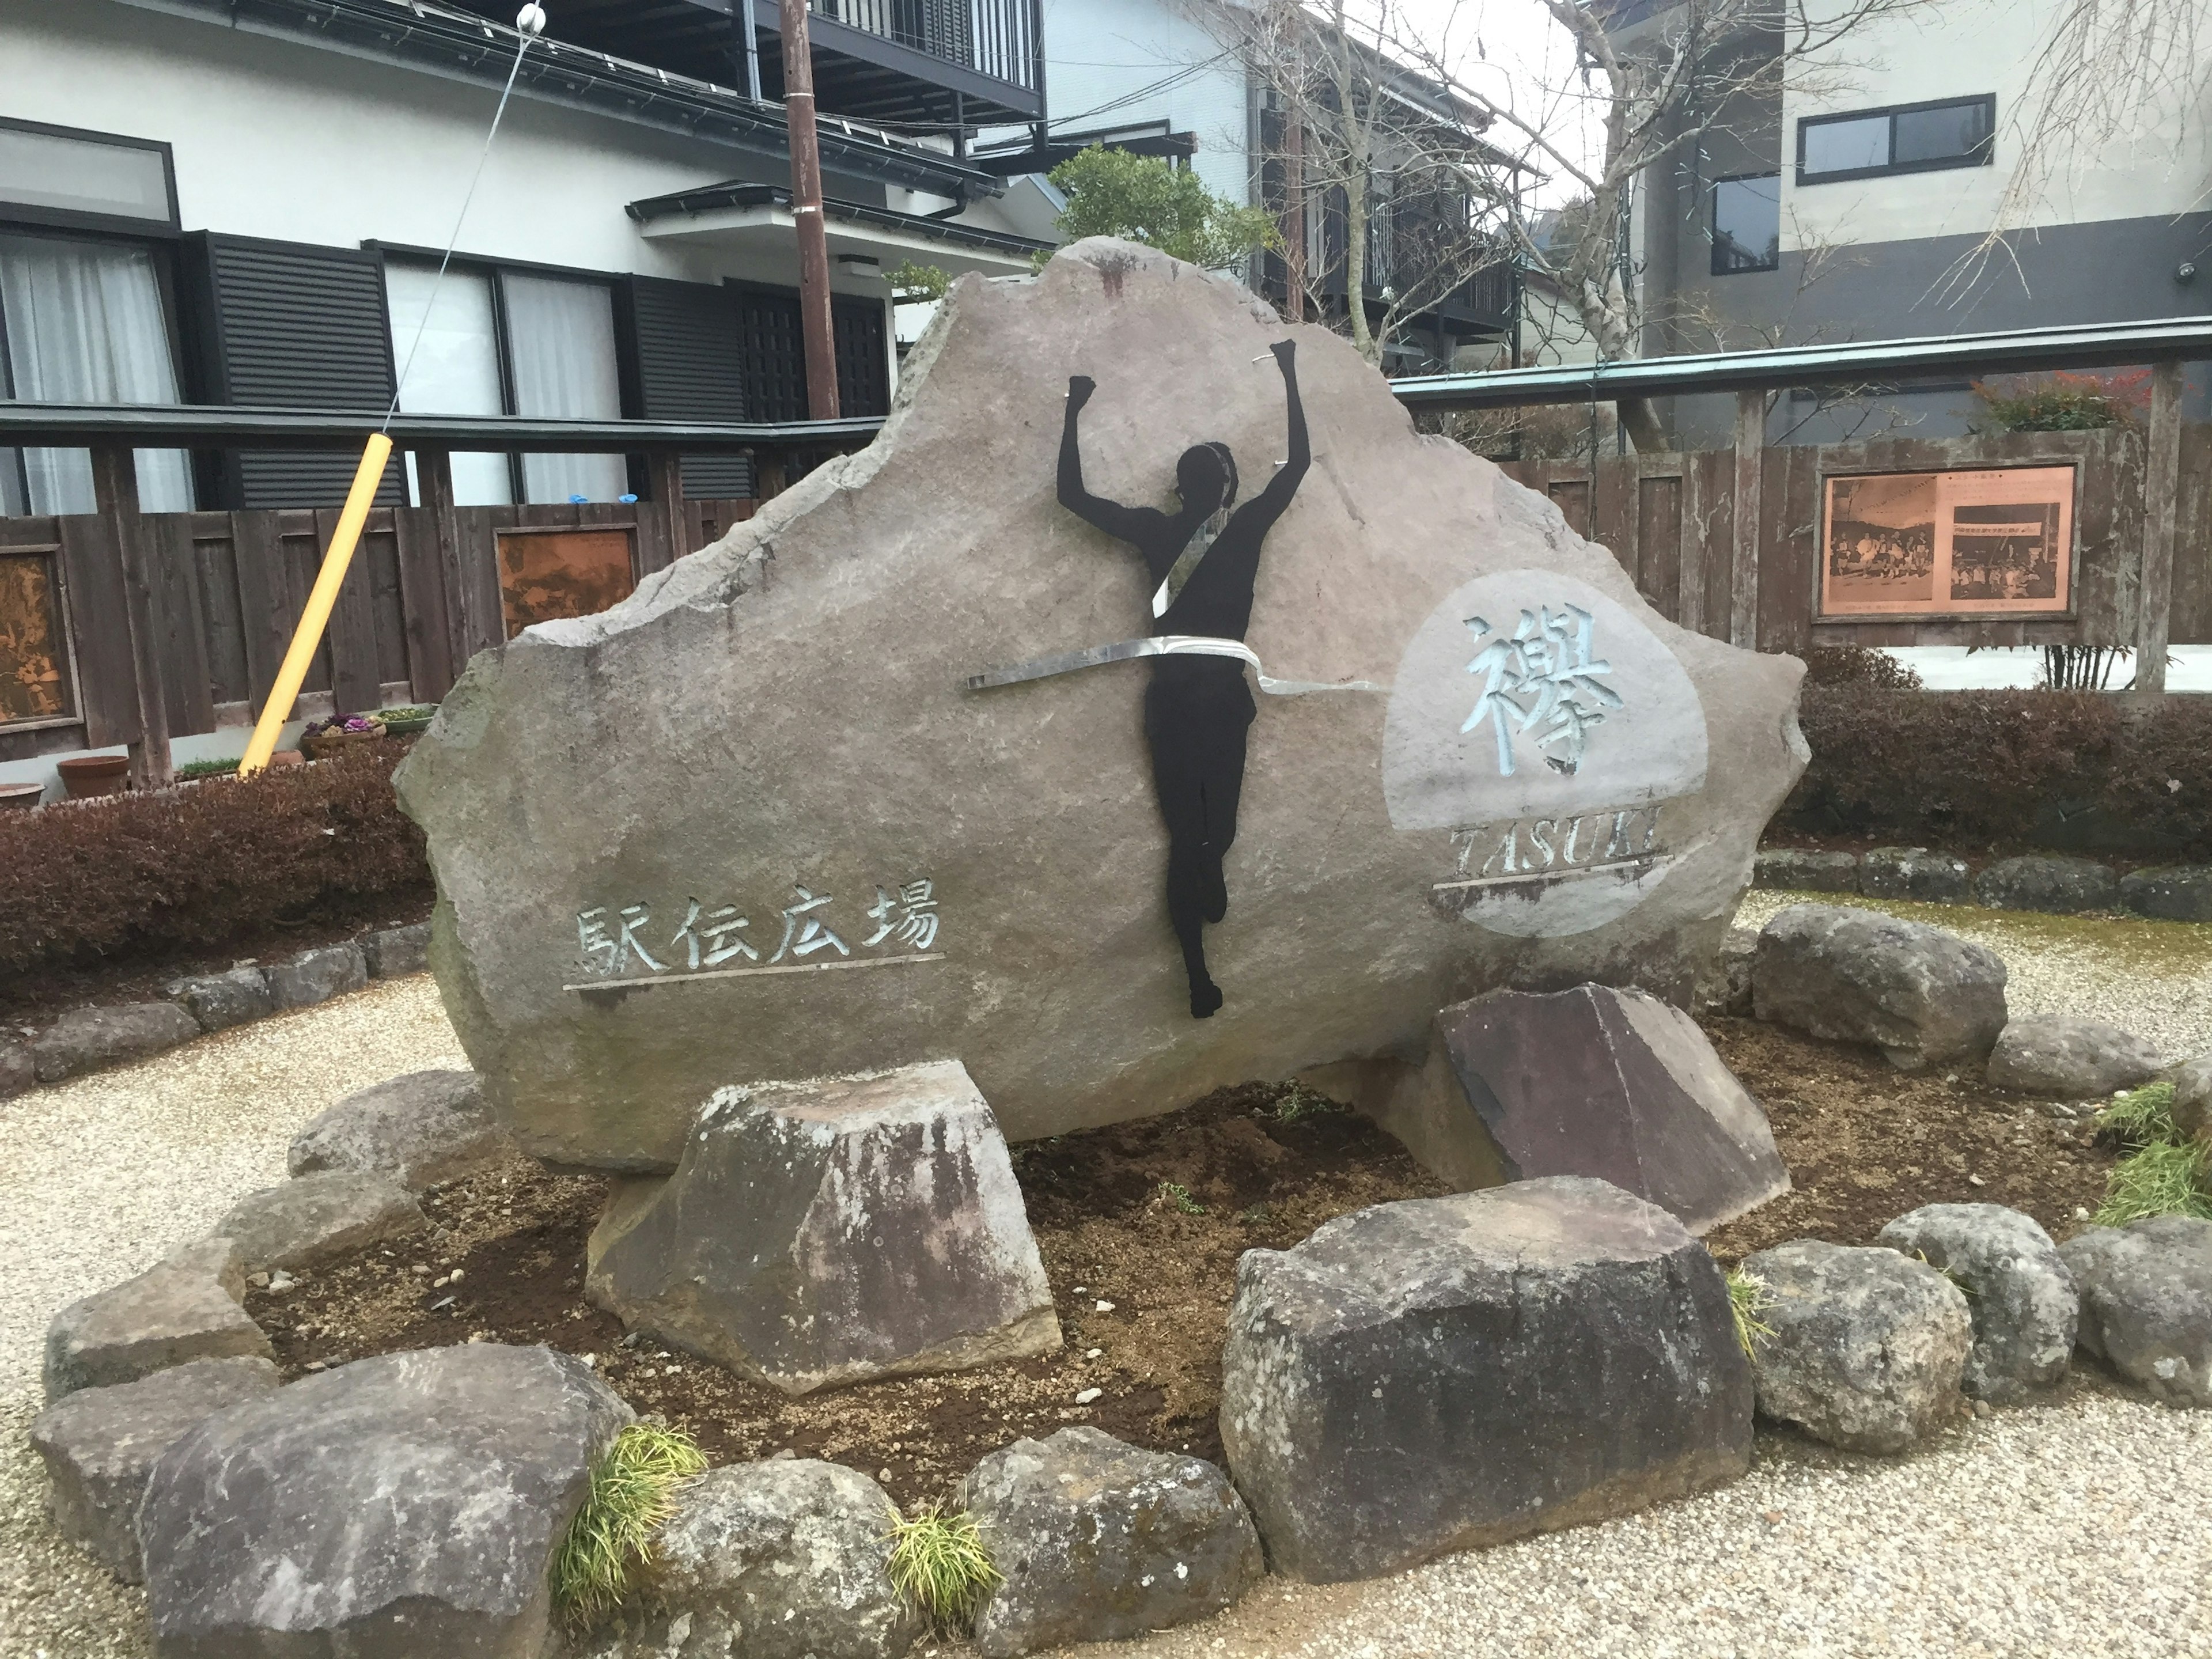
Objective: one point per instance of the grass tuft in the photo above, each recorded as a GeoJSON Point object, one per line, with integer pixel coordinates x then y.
{"type": "Point", "coordinates": [939, 1565]}
{"type": "Point", "coordinates": [608, 1550]}
{"type": "Point", "coordinates": [1748, 1299]}
{"type": "Point", "coordinates": [2141, 1117]}
{"type": "Point", "coordinates": [1300, 1101]}
{"type": "Point", "coordinates": [2158, 1179]}
{"type": "Point", "coordinates": [1171, 1192]}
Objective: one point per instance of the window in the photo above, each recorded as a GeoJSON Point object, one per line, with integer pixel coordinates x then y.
{"type": "Point", "coordinates": [1953, 132]}
{"type": "Point", "coordinates": [55, 175]}
{"type": "Point", "coordinates": [504, 343]}
{"type": "Point", "coordinates": [1747, 224]}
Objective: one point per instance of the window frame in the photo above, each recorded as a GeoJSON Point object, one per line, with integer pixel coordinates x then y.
{"type": "Point", "coordinates": [1712, 224]}
{"type": "Point", "coordinates": [26, 213]}
{"type": "Point", "coordinates": [1984, 156]}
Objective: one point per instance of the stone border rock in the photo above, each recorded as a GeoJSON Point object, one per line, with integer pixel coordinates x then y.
{"type": "Point", "coordinates": [92, 1039]}
{"type": "Point", "coordinates": [2054, 884]}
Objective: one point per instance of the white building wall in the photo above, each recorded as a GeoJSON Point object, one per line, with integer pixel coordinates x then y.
{"type": "Point", "coordinates": [1959, 49]}
{"type": "Point", "coordinates": [1100, 53]}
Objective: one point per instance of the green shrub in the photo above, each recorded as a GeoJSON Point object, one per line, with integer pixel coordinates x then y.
{"type": "Point", "coordinates": [207, 768]}
{"type": "Point", "coordinates": [197, 866]}
{"type": "Point", "coordinates": [1858, 664]}
{"type": "Point", "coordinates": [2060, 402]}
{"type": "Point", "coordinates": [939, 1565]}
{"type": "Point", "coordinates": [605, 1556]}
{"type": "Point", "coordinates": [1141, 198]}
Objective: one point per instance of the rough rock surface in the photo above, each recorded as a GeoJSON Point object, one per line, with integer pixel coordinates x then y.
{"type": "Point", "coordinates": [314, 976]}
{"type": "Point", "coordinates": [2043, 882]}
{"type": "Point", "coordinates": [2192, 1097]}
{"type": "Point", "coordinates": [1800, 869]}
{"type": "Point", "coordinates": [2147, 1302]}
{"type": "Point", "coordinates": [1725, 988]}
{"type": "Point", "coordinates": [99, 1445]}
{"type": "Point", "coordinates": [783, 1559]}
{"type": "Point", "coordinates": [18, 1070]}
{"type": "Point", "coordinates": [1419, 1377]}
{"type": "Point", "coordinates": [1614, 1084]}
{"type": "Point", "coordinates": [1921, 995]}
{"type": "Point", "coordinates": [395, 1508]}
{"type": "Point", "coordinates": [1867, 1347]}
{"type": "Point", "coordinates": [2176, 892]}
{"type": "Point", "coordinates": [85, 1039]}
{"type": "Point", "coordinates": [829, 1231]}
{"type": "Point", "coordinates": [321, 1217]}
{"type": "Point", "coordinates": [218, 1001]}
{"type": "Point", "coordinates": [183, 1307]}
{"type": "Point", "coordinates": [391, 951]}
{"type": "Point", "coordinates": [1913, 872]}
{"type": "Point", "coordinates": [1097, 1540]}
{"type": "Point", "coordinates": [2068, 1058]}
{"type": "Point", "coordinates": [2020, 1293]}
{"type": "Point", "coordinates": [1385, 863]}
{"type": "Point", "coordinates": [421, 1130]}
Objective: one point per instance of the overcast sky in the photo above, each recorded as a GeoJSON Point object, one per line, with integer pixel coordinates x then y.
{"type": "Point", "coordinates": [1511, 53]}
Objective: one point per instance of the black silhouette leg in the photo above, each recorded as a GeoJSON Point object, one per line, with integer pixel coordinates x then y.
{"type": "Point", "coordinates": [1186, 884]}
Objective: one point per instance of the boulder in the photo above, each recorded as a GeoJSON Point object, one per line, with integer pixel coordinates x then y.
{"type": "Point", "coordinates": [85, 1039]}
{"type": "Point", "coordinates": [321, 1217]}
{"type": "Point", "coordinates": [1613, 1084]}
{"type": "Point", "coordinates": [1097, 1540]}
{"type": "Point", "coordinates": [832, 1230]}
{"type": "Point", "coordinates": [18, 1072]}
{"type": "Point", "coordinates": [314, 976]}
{"type": "Point", "coordinates": [390, 952]}
{"type": "Point", "coordinates": [2020, 1293]}
{"type": "Point", "coordinates": [1865, 1347]}
{"type": "Point", "coordinates": [888, 866]}
{"type": "Point", "coordinates": [421, 1130]}
{"type": "Point", "coordinates": [99, 1445]}
{"type": "Point", "coordinates": [1725, 988]}
{"type": "Point", "coordinates": [183, 1308]}
{"type": "Point", "coordinates": [2192, 1097]}
{"type": "Point", "coordinates": [783, 1559]}
{"type": "Point", "coordinates": [2179, 892]}
{"type": "Point", "coordinates": [1794, 869]}
{"type": "Point", "coordinates": [1913, 872]}
{"type": "Point", "coordinates": [1425, 1376]}
{"type": "Point", "coordinates": [2043, 882]}
{"type": "Point", "coordinates": [397, 1507]}
{"type": "Point", "coordinates": [1852, 976]}
{"type": "Point", "coordinates": [218, 1001]}
{"type": "Point", "coordinates": [2147, 1302]}
{"type": "Point", "coordinates": [2068, 1058]}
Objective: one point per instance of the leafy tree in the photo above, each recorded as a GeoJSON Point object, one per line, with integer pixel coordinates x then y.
{"type": "Point", "coordinates": [1141, 198]}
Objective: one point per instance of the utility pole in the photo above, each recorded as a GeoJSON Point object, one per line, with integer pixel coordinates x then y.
{"type": "Point", "coordinates": [806, 209]}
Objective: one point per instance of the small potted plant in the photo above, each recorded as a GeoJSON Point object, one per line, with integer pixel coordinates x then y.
{"type": "Point", "coordinates": [409, 721]}
{"type": "Point", "coordinates": [86, 776]}
{"type": "Point", "coordinates": [323, 739]}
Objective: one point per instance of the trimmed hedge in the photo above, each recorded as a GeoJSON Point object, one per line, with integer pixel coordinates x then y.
{"type": "Point", "coordinates": [2076, 770]}
{"type": "Point", "coordinates": [199, 865]}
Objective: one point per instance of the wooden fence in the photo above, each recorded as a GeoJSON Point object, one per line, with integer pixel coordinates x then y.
{"type": "Point", "coordinates": [1672, 522]}
{"type": "Point", "coordinates": [221, 593]}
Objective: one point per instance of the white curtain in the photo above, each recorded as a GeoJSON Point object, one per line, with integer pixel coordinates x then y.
{"type": "Point", "coordinates": [562, 336]}
{"type": "Point", "coordinates": [85, 325]}
{"type": "Point", "coordinates": [454, 370]}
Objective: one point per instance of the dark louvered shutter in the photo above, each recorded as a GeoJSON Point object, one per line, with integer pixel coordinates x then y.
{"type": "Point", "coordinates": [776, 353]}
{"type": "Point", "coordinates": [864, 385]}
{"type": "Point", "coordinates": [689, 353]}
{"type": "Point", "coordinates": [286, 326]}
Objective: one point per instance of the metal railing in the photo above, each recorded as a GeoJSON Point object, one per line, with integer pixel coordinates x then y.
{"type": "Point", "coordinates": [996, 38]}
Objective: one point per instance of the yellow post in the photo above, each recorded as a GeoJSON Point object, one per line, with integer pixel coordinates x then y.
{"type": "Point", "coordinates": [317, 616]}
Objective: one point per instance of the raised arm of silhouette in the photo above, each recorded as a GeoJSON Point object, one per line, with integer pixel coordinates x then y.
{"type": "Point", "coordinates": [1268, 505]}
{"type": "Point", "coordinates": [1130, 524]}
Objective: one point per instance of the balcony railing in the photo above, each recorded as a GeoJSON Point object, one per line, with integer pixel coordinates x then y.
{"type": "Point", "coordinates": [994, 38]}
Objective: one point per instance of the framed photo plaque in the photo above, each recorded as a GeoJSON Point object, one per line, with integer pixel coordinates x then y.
{"type": "Point", "coordinates": [1962, 543]}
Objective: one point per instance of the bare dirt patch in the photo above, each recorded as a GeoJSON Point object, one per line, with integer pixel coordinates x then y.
{"type": "Point", "coordinates": [1148, 1218]}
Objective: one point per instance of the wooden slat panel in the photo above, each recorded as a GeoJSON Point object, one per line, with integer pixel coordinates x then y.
{"type": "Point", "coordinates": [1571, 497]}
{"type": "Point", "coordinates": [480, 527]}
{"type": "Point", "coordinates": [354, 677]}
{"type": "Point", "coordinates": [214, 568]}
{"type": "Point", "coordinates": [303, 551]}
{"type": "Point", "coordinates": [380, 547]}
{"type": "Point", "coordinates": [422, 602]}
{"type": "Point", "coordinates": [2191, 619]}
{"type": "Point", "coordinates": [1615, 505]}
{"type": "Point", "coordinates": [1659, 544]}
{"type": "Point", "coordinates": [179, 624]}
{"type": "Point", "coordinates": [1719, 469]}
{"type": "Point", "coordinates": [92, 567]}
{"type": "Point", "coordinates": [1788, 554]}
{"type": "Point", "coordinates": [264, 598]}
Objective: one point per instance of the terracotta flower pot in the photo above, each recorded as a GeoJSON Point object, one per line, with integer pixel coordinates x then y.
{"type": "Point", "coordinates": [23, 796]}
{"type": "Point", "coordinates": [86, 776]}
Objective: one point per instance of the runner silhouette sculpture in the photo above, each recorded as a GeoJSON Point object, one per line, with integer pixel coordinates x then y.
{"type": "Point", "coordinates": [1202, 560]}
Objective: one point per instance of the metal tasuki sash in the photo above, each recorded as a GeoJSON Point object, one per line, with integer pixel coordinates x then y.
{"type": "Point", "coordinates": [1179, 573]}
{"type": "Point", "coordinates": [1157, 645]}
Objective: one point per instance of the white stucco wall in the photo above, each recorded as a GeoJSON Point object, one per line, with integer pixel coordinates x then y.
{"type": "Point", "coordinates": [1099, 52]}
{"type": "Point", "coordinates": [1958, 49]}
{"type": "Point", "coordinates": [280, 139]}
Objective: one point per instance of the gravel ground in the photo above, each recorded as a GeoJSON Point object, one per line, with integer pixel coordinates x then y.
{"type": "Point", "coordinates": [2076, 1529]}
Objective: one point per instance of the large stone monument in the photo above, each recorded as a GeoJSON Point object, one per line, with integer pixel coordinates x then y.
{"type": "Point", "coordinates": [878, 779]}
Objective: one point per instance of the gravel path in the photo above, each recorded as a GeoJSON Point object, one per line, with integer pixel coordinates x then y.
{"type": "Point", "coordinates": [2077, 1529]}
